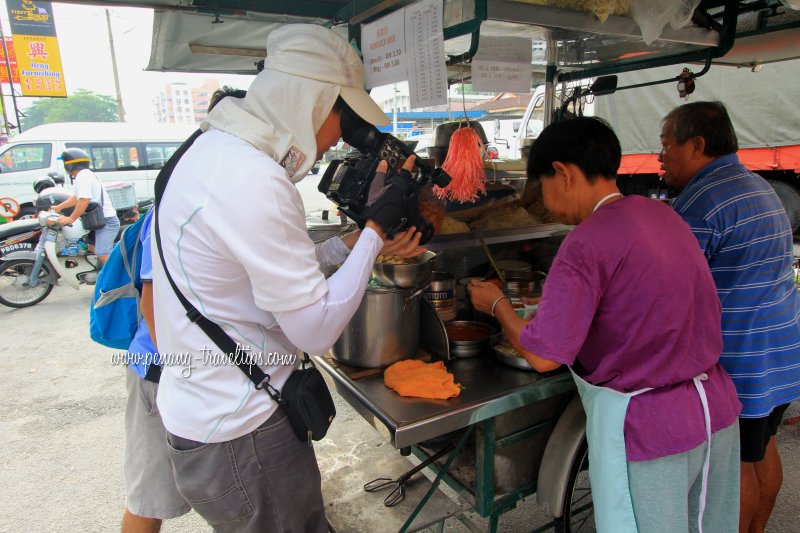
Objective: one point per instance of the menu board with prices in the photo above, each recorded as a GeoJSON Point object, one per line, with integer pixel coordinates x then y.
{"type": "Point", "coordinates": [502, 64]}
{"type": "Point", "coordinates": [427, 72]}
{"type": "Point", "coordinates": [383, 47]}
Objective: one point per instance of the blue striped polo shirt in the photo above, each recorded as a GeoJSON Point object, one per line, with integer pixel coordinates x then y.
{"type": "Point", "coordinates": [745, 235]}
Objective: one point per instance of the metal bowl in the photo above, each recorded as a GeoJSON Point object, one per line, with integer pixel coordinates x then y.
{"type": "Point", "coordinates": [478, 344]}
{"type": "Point", "coordinates": [504, 357]}
{"type": "Point", "coordinates": [529, 283]}
{"type": "Point", "coordinates": [413, 274]}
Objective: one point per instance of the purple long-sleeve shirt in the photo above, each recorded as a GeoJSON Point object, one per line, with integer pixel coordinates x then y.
{"type": "Point", "coordinates": [630, 303]}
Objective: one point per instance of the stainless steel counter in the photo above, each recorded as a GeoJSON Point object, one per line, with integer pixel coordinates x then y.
{"type": "Point", "coordinates": [489, 388]}
{"type": "Point", "coordinates": [497, 236]}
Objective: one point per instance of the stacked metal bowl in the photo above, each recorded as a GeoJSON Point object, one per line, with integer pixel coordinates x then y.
{"type": "Point", "coordinates": [415, 273]}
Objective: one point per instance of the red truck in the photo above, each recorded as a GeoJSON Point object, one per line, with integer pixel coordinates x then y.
{"type": "Point", "coordinates": [764, 107]}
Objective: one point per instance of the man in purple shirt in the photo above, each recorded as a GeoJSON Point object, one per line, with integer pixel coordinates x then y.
{"type": "Point", "coordinates": [631, 306]}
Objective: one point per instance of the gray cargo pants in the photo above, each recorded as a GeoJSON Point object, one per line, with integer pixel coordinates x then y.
{"type": "Point", "coordinates": [265, 481]}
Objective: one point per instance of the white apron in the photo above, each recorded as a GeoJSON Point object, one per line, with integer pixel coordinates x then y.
{"type": "Point", "coordinates": [608, 467]}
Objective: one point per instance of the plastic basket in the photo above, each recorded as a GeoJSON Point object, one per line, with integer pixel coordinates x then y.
{"type": "Point", "coordinates": [122, 196]}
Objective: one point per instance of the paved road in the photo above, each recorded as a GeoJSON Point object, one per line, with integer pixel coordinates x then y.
{"type": "Point", "coordinates": [61, 419]}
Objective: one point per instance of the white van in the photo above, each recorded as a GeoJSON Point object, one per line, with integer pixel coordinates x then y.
{"type": "Point", "coordinates": [131, 153]}
{"type": "Point", "coordinates": [501, 132]}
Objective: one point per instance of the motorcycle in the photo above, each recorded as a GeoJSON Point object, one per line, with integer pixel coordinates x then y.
{"type": "Point", "coordinates": [35, 253]}
{"type": "Point", "coordinates": [27, 277]}
{"type": "Point", "coordinates": [18, 235]}
{"type": "Point", "coordinates": [23, 234]}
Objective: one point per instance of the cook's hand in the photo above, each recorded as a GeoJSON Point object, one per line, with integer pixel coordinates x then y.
{"type": "Point", "coordinates": [483, 294]}
{"type": "Point", "coordinates": [64, 221]}
{"type": "Point", "coordinates": [404, 244]}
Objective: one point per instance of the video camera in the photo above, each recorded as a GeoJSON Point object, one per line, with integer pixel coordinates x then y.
{"type": "Point", "coordinates": [347, 182]}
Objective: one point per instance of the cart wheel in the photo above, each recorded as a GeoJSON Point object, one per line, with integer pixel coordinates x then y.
{"type": "Point", "coordinates": [578, 513]}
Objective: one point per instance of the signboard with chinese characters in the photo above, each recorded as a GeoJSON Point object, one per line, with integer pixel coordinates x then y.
{"type": "Point", "coordinates": [502, 64]}
{"type": "Point", "coordinates": [383, 46]}
{"type": "Point", "coordinates": [36, 47]}
{"type": "Point", "coordinates": [12, 62]}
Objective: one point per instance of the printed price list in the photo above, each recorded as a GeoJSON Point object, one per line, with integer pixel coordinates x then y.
{"type": "Point", "coordinates": [425, 48]}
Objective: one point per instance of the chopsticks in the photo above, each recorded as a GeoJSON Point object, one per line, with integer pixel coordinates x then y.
{"type": "Point", "coordinates": [491, 259]}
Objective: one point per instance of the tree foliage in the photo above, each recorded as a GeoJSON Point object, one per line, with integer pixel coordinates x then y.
{"type": "Point", "coordinates": [82, 106]}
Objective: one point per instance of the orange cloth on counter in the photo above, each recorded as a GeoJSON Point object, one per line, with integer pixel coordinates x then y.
{"type": "Point", "coordinates": [411, 377]}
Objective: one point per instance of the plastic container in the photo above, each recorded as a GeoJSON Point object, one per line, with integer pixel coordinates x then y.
{"type": "Point", "coordinates": [122, 195]}
{"type": "Point", "coordinates": [70, 248]}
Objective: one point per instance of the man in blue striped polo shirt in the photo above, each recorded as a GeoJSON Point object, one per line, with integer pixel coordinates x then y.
{"type": "Point", "coordinates": [746, 237]}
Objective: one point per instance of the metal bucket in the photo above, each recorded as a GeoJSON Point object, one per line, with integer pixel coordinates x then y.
{"type": "Point", "coordinates": [384, 329]}
{"type": "Point", "coordinates": [441, 294]}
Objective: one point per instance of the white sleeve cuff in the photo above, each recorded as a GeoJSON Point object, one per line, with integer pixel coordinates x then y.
{"type": "Point", "coordinates": [328, 316]}
{"type": "Point", "coordinates": [332, 252]}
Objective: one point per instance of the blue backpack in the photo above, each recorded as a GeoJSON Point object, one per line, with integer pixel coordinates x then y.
{"type": "Point", "coordinates": [114, 315]}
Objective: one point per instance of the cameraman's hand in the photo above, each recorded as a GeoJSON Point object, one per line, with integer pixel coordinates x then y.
{"type": "Point", "coordinates": [409, 164]}
{"type": "Point", "coordinates": [388, 208]}
{"type": "Point", "coordinates": [404, 244]}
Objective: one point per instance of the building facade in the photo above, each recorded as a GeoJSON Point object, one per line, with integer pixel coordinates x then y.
{"type": "Point", "coordinates": [179, 103]}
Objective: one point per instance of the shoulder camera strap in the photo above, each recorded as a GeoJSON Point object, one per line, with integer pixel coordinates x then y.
{"type": "Point", "coordinates": [217, 335]}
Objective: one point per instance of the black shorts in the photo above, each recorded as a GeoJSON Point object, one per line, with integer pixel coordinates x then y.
{"type": "Point", "coordinates": [755, 433]}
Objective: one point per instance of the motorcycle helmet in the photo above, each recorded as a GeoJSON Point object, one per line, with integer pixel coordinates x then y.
{"type": "Point", "coordinates": [43, 184]}
{"type": "Point", "coordinates": [75, 159]}
{"type": "Point", "coordinates": [74, 231]}
{"type": "Point", "coordinates": [57, 177]}
{"type": "Point", "coordinates": [50, 197]}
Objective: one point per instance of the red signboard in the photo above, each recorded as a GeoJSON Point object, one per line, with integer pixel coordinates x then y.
{"type": "Point", "coordinates": [12, 59]}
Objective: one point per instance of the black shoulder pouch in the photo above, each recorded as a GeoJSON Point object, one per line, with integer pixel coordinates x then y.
{"type": "Point", "coordinates": [308, 402]}
{"type": "Point", "coordinates": [93, 217]}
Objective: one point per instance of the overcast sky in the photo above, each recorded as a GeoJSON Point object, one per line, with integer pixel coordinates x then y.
{"type": "Point", "coordinates": [86, 57]}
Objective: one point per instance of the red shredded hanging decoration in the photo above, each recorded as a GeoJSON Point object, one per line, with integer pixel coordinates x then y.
{"type": "Point", "coordinates": [464, 164]}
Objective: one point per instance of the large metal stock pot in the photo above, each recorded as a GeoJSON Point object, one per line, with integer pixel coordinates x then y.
{"type": "Point", "coordinates": [384, 330]}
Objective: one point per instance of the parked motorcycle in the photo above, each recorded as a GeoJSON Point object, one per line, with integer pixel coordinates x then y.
{"type": "Point", "coordinates": [27, 277]}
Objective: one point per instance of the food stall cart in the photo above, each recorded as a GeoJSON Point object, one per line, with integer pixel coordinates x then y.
{"type": "Point", "coordinates": [478, 421]}
{"type": "Point", "coordinates": [501, 427]}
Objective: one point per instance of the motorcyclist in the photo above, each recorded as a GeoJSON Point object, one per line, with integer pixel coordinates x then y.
{"type": "Point", "coordinates": [88, 188]}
